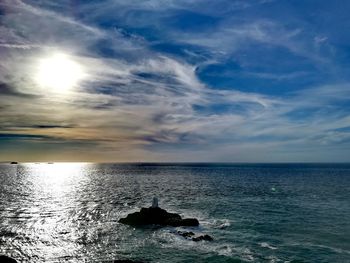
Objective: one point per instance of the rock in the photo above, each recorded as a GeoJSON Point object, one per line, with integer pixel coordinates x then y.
{"type": "Point", "coordinates": [157, 216]}
{"type": "Point", "coordinates": [185, 234]}
{"type": "Point", "coordinates": [204, 237]}
{"type": "Point", "coordinates": [6, 259]}
{"type": "Point", "coordinates": [191, 236]}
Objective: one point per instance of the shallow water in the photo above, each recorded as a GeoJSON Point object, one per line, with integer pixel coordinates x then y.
{"type": "Point", "coordinates": [256, 213]}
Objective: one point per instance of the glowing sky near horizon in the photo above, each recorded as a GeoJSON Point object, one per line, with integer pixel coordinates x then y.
{"type": "Point", "coordinates": [194, 80]}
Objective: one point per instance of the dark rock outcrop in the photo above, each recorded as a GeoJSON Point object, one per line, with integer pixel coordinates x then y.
{"type": "Point", "coordinates": [191, 236]}
{"type": "Point", "coordinates": [202, 238]}
{"type": "Point", "coordinates": [185, 234]}
{"type": "Point", "coordinates": [157, 216]}
{"type": "Point", "coordinates": [6, 259]}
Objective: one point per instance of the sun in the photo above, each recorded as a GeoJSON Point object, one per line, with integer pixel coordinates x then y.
{"type": "Point", "coordinates": [59, 72]}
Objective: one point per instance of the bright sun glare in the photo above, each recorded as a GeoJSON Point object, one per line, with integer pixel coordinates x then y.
{"type": "Point", "coordinates": [59, 73]}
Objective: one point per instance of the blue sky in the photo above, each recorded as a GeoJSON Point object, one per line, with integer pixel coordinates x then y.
{"type": "Point", "coordinates": [176, 80]}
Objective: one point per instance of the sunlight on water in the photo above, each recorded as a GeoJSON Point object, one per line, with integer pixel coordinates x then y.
{"type": "Point", "coordinates": [69, 212]}
{"type": "Point", "coordinates": [44, 216]}
{"type": "Point", "coordinates": [54, 186]}
{"type": "Point", "coordinates": [53, 177]}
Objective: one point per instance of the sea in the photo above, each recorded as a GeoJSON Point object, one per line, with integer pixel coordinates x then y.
{"type": "Point", "coordinates": [69, 212]}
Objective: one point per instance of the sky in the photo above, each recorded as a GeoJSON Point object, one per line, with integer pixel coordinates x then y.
{"type": "Point", "coordinates": [175, 80]}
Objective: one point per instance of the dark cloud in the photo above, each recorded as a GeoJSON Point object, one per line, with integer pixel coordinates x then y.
{"type": "Point", "coordinates": [48, 126]}
{"type": "Point", "coordinates": [6, 136]}
{"type": "Point", "coordinates": [44, 139]}
{"type": "Point", "coordinates": [35, 126]}
{"type": "Point", "coordinates": [8, 90]}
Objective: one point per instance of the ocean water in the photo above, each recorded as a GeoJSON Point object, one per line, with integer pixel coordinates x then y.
{"type": "Point", "coordinates": [255, 213]}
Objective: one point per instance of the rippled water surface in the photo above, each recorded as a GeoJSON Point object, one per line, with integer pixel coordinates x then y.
{"type": "Point", "coordinates": [256, 213]}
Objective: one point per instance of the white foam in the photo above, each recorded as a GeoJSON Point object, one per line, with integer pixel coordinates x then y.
{"type": "Point", "coordinates": [167, 239]}
{"type": "Point", "coordinates": [267, 245]}
{"type": "Point", "coordinates": [224, 251]}
{"type": "Point", "coordinates": [224, 223]}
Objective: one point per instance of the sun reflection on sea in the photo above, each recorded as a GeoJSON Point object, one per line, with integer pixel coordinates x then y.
{"type": "Point", "coordinates": [53, 175]}
{"type": "Point", "coordinates": [49, 210]}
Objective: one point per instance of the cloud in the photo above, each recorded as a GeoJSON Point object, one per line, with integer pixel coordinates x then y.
{"type": "Point", "coordinates": [7, 90]}
{"type": "Point", "coordinates": [144, 102]}
{"type": "Point", "coordinates": [21, 136]}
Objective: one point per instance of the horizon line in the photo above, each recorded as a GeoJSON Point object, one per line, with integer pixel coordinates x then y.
{"type": "Point", "coordinates": [165, 162]}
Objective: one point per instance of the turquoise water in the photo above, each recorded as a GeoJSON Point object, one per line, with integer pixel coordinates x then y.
{"type": "Point", "coordinates": [255, 213]}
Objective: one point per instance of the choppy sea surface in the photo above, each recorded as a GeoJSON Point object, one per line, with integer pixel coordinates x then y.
{"type": "Point", "coordinates": [68, 212]}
